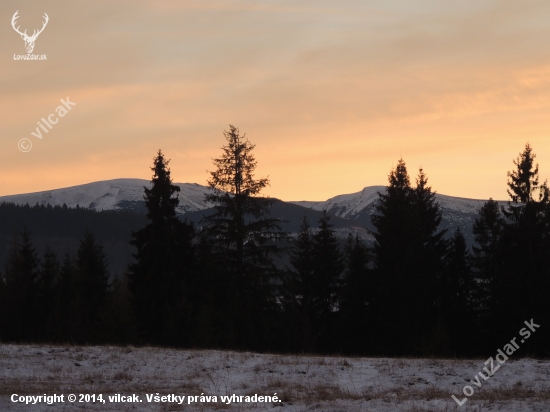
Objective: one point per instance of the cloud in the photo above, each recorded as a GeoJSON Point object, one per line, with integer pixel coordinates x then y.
{"type": "Point", "coordinates": [330, 91]}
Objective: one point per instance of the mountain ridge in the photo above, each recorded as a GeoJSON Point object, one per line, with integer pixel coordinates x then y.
{"type": "Point", "coordinates": [114, 194]}
{"type": "Point", "coordinates": [127, 194]}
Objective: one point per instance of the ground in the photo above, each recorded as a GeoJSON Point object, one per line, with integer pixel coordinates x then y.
{"type": "Point", "coordinates": [301, 383]}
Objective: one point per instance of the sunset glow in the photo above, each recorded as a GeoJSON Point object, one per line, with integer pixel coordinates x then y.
{"type": "Point", "coordinates": [332, 93]}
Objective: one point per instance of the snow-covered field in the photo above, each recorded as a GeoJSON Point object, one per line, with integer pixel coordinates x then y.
{"type": "Point", "coordinates": [302, 383]}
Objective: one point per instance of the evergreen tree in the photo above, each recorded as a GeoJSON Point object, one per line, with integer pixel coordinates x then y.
{"type": "Point", "coordinates": [524, 181]}
{"type": "Point", "coordinates": [3, 308]}
{"type": "Point", "coordinates": [486, 259]}
{"type": "Point", "coordinates": [21, 289]}
{"type": "Point", "coordinates": [429, 219]}
{"type": "Point", "coordinates": [456, 297]}
{"type": "Point", "coordinates": [164, 261]}
{"type": "Point", "coordinates": [244, 238]}
{"type": "Point", "coordinates": [297, 290]}
{"type": "Point", "coordinates": [68, 308]}
{"type": "Point", "coordinates": [311, 288]}
{"type": "Point", "coordinates": [522, 285]}
{"type": "Point", "coordinates": [355, 296]}
{"type": "Point", "coordinates": [431, 248]}
{"type": "Point", "coordinates": [47, 291]}
{"type": "Point", "coordinates": [327, 270]}
{"type": "Point", "coordinates": [392, 252]}
{"type": "Point", "coordinates": [118, 321]}
{"type": "Point", "coordinates": [93, 274]}
{"type": "Point", "coordinates": [210, 302]}
{"type": "Point", "coordinates": [409, 250]}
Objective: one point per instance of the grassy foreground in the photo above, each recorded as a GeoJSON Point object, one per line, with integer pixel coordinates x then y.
{"type": "Point", "coordinates": [301, 383]}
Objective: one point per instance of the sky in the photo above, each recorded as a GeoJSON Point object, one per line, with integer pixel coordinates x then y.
{"type": "Point", "coordinates": [332, 93]}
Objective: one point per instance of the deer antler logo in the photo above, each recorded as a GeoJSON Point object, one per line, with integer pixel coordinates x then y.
{"type": "Point", "coordinates": [29, 40]}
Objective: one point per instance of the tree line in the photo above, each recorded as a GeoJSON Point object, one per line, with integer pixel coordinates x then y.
{"type": "Point", "coordinates": [417, 291]}
{"type": "Point", "coordinates": [59, 229]}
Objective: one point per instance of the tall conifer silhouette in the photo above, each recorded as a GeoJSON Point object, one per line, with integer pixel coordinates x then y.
{"type": "Point", "coordinates": [164, 260]}
{"type": "Point", "coordinates": [456, 295]}
{"type": "Point", "coordinates": [93, 275]}
{"type": "Point", "coordinates": [356, 295]}
{"type": "Point", "coordinates": [327, 270]}
{"type": "Point", "coordinates": [393, 252]}
{"type": "Point", "coordinates": [297, 290]}
{"type": "Point", "coordinates": [47, 291]}
{"type": "Point", "coordinates": [525, 278]}
{"type": "Point", "coordinates": [409, 250]}
{"type": "Point", "coordinates": [244, 236]}
{"type": "Point", "coordinates": [523, 182]}
{"type": "Point", "coordinates": [22, 272]}
{"type": "Point", "coordinates": [68, 309]}
{"type": "Point", "coordinates": [487, 264]}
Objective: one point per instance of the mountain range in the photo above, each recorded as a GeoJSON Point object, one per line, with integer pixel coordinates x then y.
{"type": "Point", "coordinates": [351, 212]}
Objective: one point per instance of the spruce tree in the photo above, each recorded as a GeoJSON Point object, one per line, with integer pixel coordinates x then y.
{"type": "Point", "coordinates": [68, 309]}
{"type": "Point", "coordinates": [93, 274]}
{"type": "Point", "coordinates": [356, 296]}
{"type": "Point", "coordinates": [47, 287]}
{"type": "Point", "coordinates": [522, 285]}
{"type": "Point", "coordinates": [429, 219]}
{"type": "Point", "coordinates": [486, 261]}
{"type": "Point", "coordinates": [3, 308]}
{"type": "Point", "coordinates": [209, 304]}
{"type": "Point", "coordinates": [242, 227]}
{"type": "Point", "coordinates": [22, 290]}
{"type": "Point", "coordinates": [430, 249]}
{"type": "Point", "coordinates": [327, 271]}
{"type": "Point", "coordinates": [297, 291]}
{"type": "Point", "coordinates": [408, 252]}
{"type": "Point", "coordinates": [456, 297]}
{"type": "Point", "coordinates": [244, 238]}
{"type": "Point", "coordinates": [163, 262]}
{"type": "Point", "coordinates": [327, 266]}
{"type": "Point", "coordinates": [118, 320]}
{"type": "Point", "coordinates": [393, 238]}
{"type": "Point", "coordinates": [311, 286]}
{"type": "Point", "coordinates": [524, 181]}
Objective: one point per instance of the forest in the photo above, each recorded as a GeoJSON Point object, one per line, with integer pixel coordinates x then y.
{"type": "Point", "coordinates": [417, 291]}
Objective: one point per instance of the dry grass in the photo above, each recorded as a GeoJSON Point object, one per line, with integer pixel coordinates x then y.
{"type": "Point", "coordinates": [310, 382]}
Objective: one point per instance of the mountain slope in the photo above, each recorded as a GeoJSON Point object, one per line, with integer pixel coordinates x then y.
{"type": "Point", "coordinates": [356, 208]}
{"type": "Point", "coordinates": [359, 206]}
{"type": "Point", "coordinates": [117, 194]}
{"type": "Point", "coordinates": [291, 216]}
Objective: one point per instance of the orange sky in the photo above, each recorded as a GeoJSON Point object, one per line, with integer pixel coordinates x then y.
{"type": "Point", "coordinates": [331, 92]}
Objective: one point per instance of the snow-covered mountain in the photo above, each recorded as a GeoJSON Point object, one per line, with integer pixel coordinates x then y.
{"type": "Point", "coordinates": [119, 194]}
{"type": "Point", "coordinates": [114, 194]}
{"type": "Point", "coordinates": [347, 206]}
{"type": "Point", "coordinates": [359, 206]}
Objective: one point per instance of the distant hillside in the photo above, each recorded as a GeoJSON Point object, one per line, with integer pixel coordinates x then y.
{"type": "Point", "coordinates": [117, 194]}
{"type": "Point", "coordinates": [354, 209]}
{"type": "Point", "coordinates": [61, 228]}
{"type": "Point", "coordinates": [291, 216]}
{"type": "Point", "coordinates": [359, 206]}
